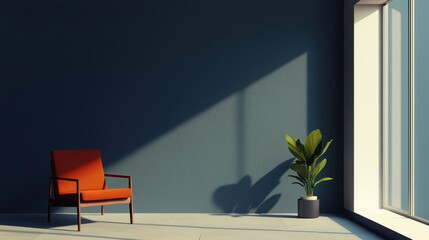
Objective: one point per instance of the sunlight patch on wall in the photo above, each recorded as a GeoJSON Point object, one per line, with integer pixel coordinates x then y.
{"type": "Point", "coordinates": [241, 135]}
{"type": "Point", "coordinates": [367, 60]}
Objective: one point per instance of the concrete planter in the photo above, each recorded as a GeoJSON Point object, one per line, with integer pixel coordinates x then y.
{"type": "Point", "coordinates": [308, 207]}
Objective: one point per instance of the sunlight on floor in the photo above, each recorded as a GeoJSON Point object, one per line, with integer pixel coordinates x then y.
{"type": "Point", "coordinates": [180, 226]}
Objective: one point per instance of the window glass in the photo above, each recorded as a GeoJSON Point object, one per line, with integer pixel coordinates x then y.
{"type": "Point", "coordinates": [396, 105]}
{"type": "Point", "coordinates": [421, 107]}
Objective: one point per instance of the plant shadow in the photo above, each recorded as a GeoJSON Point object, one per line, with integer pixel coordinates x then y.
{"type": "Point", "coordinates": [243, 197]}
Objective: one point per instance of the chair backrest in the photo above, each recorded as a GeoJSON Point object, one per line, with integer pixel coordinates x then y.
{"type": "Point", "coordinates": [84, 165]}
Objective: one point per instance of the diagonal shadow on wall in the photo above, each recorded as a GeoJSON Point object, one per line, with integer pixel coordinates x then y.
{"type": "Point", "coordinates": [125, 73]}
{"type": "Point", "coordinates": [243, 197]}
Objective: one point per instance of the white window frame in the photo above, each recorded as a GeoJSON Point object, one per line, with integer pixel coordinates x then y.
{"type": "Point", "coordinates": [361, 202]}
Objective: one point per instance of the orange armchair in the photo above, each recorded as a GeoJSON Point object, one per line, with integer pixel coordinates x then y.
{"type": "Point", "coordinates": [78, 180]}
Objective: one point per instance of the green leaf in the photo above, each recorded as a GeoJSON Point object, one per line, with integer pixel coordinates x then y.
{"type": "Point", "coordinates": [318, 168]}
{"type": "Point", "coordinates": [313, 140]}
{"type": "Point", "coordinates": [326, 147]}
{"type": "Point", "coordinates": [313, 145]}
{"type": "Point", "coordinates": [297, 153]}
{"type": "Point", "coordinates": [302, 150]}
{"type": "Point", "coordinates": [323, 180]}
{"type": "Point", "coordinates": [300, 169]}
{"type": "Point", "coordinates": [307, 154]}
{"type": "Point", "coordinates": [291, 141]}
{"type": "Point", "coordinates": [307, 166]}
{"type": "Point", "coordinates": [295, 148]}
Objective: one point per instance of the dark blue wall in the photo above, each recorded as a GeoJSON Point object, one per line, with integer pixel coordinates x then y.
{"type": "Point", "coordinates": [192, 98]}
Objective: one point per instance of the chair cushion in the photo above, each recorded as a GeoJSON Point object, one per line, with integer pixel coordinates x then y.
{"type": "Point", "coordinates": [106, 194]}
{"type": "Point", "coordinates": [84, 165]}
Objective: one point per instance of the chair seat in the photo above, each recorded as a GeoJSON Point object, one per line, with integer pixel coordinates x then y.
{"type": "Point", "coordinates": [105, 194]}
{"type": "Point", "coordinates": [99, 195]}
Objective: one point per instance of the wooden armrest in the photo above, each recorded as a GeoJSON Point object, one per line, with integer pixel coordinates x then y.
{"type": "Point", "coordinates": [65, 179]}
{"type": "Point", "coordinates": [116, 175]}
{"type": "Point", "coordinates": [120, 176]}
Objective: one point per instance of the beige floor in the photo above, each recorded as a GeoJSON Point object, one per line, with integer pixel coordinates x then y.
{"type": "Point", "coordinates": [180, 226]}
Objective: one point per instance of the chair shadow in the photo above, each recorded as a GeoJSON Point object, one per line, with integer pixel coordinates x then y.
{"type": "Point", "coordinates": [40, 221]}
{"type": "Point", "coordinates": [243, 197]}
{"type": "Point", "coordinates": [37, 225]}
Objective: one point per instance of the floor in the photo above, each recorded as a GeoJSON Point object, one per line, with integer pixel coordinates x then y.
{"type": "Point", "coordinates": [180, 226]}
{"type": "Point", "coordinates": [405, 226]}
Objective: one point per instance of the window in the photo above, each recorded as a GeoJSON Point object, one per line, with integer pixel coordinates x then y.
{"type": "Point", "coordinates": [405, 108]}
{"type": "Point", "coordinates": [421, 109]}
{"type": "Point", "coordinates": [396, 105]}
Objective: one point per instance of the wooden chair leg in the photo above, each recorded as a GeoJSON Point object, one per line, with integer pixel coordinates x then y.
{"type": "Point", "coordinates": [131, 212]}
{"type": "Point", "coordinates": [102, 210]}
{"type": "Point", "coordinates": [78, 218]}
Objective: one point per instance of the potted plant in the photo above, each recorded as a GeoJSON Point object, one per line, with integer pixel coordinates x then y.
{"type": "Point", "coordinates": [307, 167]}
